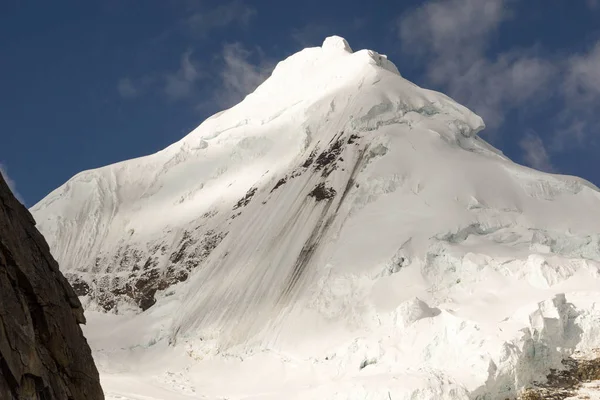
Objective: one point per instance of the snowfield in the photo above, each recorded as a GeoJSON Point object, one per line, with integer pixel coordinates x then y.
{"type": "Point", "coordinates": [340, 234]}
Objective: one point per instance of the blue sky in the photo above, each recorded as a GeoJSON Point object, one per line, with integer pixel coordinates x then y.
{"type": "Point", "coordinates": [84, 84]}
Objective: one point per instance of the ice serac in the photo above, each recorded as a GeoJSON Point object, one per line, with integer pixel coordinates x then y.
{"type": "Point", "coordinates": [43, 354]}
{"type": "Point", "coordinates": [343, 229]}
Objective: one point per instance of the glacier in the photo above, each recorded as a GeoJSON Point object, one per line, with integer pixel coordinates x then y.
{"type": "Point", "coordinates": [339, 234]}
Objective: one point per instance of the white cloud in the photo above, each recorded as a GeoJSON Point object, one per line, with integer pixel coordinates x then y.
{"type": "Point", "coordinates": [240, 75]}
{"type": "Point", "coordinates": [127, 89]}
{"type": "Point", "coordinates": [203, 21]}
{"type": "Point", "coordinates": [238, 72]}
{"type": "Point", "coordinates": [493, 87]}
{"type": "Point", "coordinates": [455, 31]}
{"type": "Point", "coordinates": [583, 75]}
{"type": "Point", "coordinates": [452, 38]}
{"type": "Point", "coordinates": [570, 133]}
{"type": "Point", "coordinates": [181, 84]}
{"type": "Point", "coordinates": [534, 152]}
{"type": "Point", "coordinates": [175, 85]}
{"type": "Point", "coordinates": [578, 122]}
{"type": "Point", "coordinates": [11, 184]}
{"type": "Point", "coordinates": [200, 20]}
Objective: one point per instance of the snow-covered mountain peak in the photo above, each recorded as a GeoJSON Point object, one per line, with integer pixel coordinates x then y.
{"type": "Point", "coordinates": [319, 78]}
{"type": "Point", "coordinates": [336, 43]}
{"type": "Point", "coordinates": [314, 72]}
{"type": "Point", "coordinates": [346, 219]}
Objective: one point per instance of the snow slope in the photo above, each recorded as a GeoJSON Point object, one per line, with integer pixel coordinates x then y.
{"type": "Point", "coordinates": [340, 234]}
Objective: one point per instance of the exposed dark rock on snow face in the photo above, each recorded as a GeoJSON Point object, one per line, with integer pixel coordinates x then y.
{"type": "Point", "coordinates": [326, 162]}
{"type": "Point", "coordinates": [321, 192]}
{"type": "Point", "coordinates": [134, 275]}
{"type": "Point", "coordinates": [243, 202]}
{"type": "Point", "coordinates": [280, 183]}
{"type": "Point", "coordinates": [43, 354]}
{"type": "Point", "coordinates": [564, 383]}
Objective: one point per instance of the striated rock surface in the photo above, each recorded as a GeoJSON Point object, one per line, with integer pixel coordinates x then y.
{"type": "Point", "coordinates": [43, 353]}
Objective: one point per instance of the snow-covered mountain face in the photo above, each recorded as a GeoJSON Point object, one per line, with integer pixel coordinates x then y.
{"type": "Point", "coordinates": [341, 233]}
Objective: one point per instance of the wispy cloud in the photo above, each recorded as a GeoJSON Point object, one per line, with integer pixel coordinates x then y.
{"type": "Point", "coordinates": [131, 88]}
{"type": "Point", "coordinates": [242, 71]}
{"type": "Point", "coordinates": [127, 89]}
{"type": "Point", "coordinates": [534, 152]}
{"type": "Point", "coordinates": [203, 21]}
{"type": "Point", "coordinates": [11, 183]}
{"type": "Point", "coordinates": [172, 85]}
{"type": "Point", "coordinates": [234, 72]}
{"type": "Point", "coordinates": [452, 37]}
{"type": "Point", "coordinates": [492, 87]}
{"type": "Point", "coordinates": [578, 121]}
{"type": "Point", "coordinates": [583, 75]}
{"type": "Point", "coordinates": [181, 84]}
{"type": "Point", "coordinates": [570, 131]}
{"type": "Point", "coordinates": [454, 31]}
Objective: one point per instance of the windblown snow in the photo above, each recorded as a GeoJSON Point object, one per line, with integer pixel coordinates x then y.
{"type": "Point", "coordinates": [340, 234]}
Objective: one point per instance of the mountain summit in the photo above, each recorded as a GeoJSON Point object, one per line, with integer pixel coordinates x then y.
{"type": "Point", "coordinates": [340, 233]}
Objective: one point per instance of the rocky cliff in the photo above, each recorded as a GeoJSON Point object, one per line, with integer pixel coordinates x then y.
{"type": "Point", "coordinates": [43, 353]}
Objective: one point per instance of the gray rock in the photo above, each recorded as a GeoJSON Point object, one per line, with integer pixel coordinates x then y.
{"type": "Point", "coordinates": [43, 353]}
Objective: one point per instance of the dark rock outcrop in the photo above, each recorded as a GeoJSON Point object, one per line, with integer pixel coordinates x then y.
{"type": "Point", "coordinates": [43, 353]}
{"type": "Point", "coordinates": [134, 275]}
